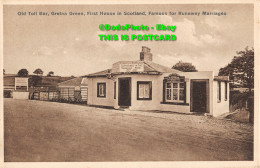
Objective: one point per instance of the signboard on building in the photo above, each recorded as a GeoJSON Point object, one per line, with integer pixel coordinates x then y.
{"type": "Point", "coordinates": [175, 78]}
{"type": "Point", "coordinates": [137, 67]}
{"type": "Point", "coordinates": [21, 82]}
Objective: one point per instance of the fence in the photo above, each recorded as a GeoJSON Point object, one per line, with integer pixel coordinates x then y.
{"type": "Point", "coordinates": [69, 95]}
{"type": "Point", "coordinates": [47, 96]}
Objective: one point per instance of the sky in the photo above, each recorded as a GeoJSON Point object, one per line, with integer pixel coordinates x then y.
{"type": "Point", "coordinates": [70, 45]}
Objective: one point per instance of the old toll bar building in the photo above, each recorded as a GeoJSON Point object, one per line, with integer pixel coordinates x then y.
{"type": "Point", "coordinates": [145, 85]}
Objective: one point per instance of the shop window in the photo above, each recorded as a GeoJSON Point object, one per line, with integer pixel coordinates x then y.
{"type": "Point", "coordinates": [219, 91]}
{"type": "Point", "coordinates": [175, 92]}
{"type": "Point", "coordinates": [101, 89]}
{"type": "Point", "coordinates": [144, 90]}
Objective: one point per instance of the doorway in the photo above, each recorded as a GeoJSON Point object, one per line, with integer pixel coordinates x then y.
{"type": "Point", "coordinates": [200, 96]}
{"type": "Point", "coordinates": [124, 92]}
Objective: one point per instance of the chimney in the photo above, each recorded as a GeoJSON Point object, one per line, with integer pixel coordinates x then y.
{"type": "Point", "coordinates": [145, 54]}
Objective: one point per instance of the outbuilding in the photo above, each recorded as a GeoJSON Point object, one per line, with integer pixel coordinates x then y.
{"type": "Point", "coordinates": [9, 85]}
{"type": "Point", "coordinates": [74, 90]}
{"type": "Point", "coordinates": [145, 85]}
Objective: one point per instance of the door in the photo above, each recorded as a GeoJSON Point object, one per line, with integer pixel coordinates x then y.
{"type": "Point", "coordinates": [124, 91]}
{"type": "Point", "coordinates": [199, 96]}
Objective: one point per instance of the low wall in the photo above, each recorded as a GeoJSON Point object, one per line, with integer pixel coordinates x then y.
{"type": "Point", "coordinates": [175, 108]}
{"type": "Point", "coordinates": [20, 95]}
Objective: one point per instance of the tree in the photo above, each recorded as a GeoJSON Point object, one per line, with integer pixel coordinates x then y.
{"type": "Point", "coordinates": [184, 67]}
{"type": "Point", "coordinates": [228, 71]}
{"type": "Point", "coordinates": [38, 71]}
{"type": "Point", "coordinates": [23, 73]}
{"type": "Point", "coordinates": [35, 80]}
{"type": "Point", "coordinates": [241, 69]}
{"type": "Point", "coordinates": [51, 73]}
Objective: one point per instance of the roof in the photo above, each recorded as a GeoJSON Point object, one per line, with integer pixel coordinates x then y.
{"type": "Point", "coordinates": [53, 81]}
{"type": "Point", "coordinates": [9, 80]}
{"type": "Point", "coordinates": [149, 68]}
{"type": "Point", "coordinates": [221, 78]}
{"type": "Point", "coordinates": [8, 75]}
{"type": "Point", "coordinates": [100, 73]}
{"type": "Point", "coordinates": [73, 82]}
{"type": "Point", "coordinates": [161, 68]}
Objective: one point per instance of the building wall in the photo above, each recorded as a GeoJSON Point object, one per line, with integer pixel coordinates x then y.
{"type": "Point", "coordinates": [220, 107]}
{"type": "Point", "coordinates": [84, 93]}
{"type": "Point", "coordinates": [144, 104]}
{"type": "Point", "coordinates": [215, 108]}
{"type": "Point", "coordinates": [175, 108]}
{"type": "Point", "coordinates": [92, 92]}
{"type": "Point", "coordinates": [207, 75]}
{"type": "Point", "coordinates": [20, 95]}
{"type": "Point", "coordinates": [203, 75]}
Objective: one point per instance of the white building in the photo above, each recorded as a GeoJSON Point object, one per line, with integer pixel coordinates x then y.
{"type": "Point", "coordinates": [145, 85]}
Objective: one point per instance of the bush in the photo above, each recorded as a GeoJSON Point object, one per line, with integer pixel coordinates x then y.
{"type": "Point", "coordinates": [239, 100]}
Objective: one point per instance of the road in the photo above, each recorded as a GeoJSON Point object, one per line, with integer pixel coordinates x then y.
{"type": "Point", "coordinates": [50, 131]}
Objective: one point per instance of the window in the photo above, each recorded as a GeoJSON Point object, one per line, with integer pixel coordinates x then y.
{"type": "Point", "coordinates": [114, 90]}
{"type": "Point", "coordinates": [225, 91]}
{"type": "Point", "coordinates": [219, 91]}
{"type": "Point", "coordinates": [101, 89]}
{"type": "Point", "coordinates": [175, 92]}
{"type": "Point", "coordinates": [144, 90]}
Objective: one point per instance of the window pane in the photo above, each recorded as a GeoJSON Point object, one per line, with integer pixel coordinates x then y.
{"type": "Point", "coordinates": [168, 85]}
{"type": "Point", "coordinates": [225, 90]}
{"type": "Point", "coordinates": [219, 91]}
{"type": "Point", "coordinates": [141, 91]}
{"type": "Point", "coordinates": [175, 85]}
{"type": "Point", "coordinates": [146, 91]}
{"type": "Point", "coordinates": [114, 90]}
{"type": "Point", "coordinates": [101, 90]}
{"type": "Point", "coordinates": [175, 94]}
{"type": "Point", "coordinates": [168, 94]}
{"type": "Point", "coordinates": [181, 85]}
{"type": "Point", "coordinates": [181, 94]}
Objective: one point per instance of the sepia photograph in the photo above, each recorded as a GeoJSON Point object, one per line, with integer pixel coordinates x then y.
{"type": "Point", "coordinates": [129, 83]}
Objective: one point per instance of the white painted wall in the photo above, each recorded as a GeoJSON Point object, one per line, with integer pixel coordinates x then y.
{"type": "Point", "coordinates": [215, 108]}
{"type": "Point", "coordinates": [220, 107]}
{"type": "Point", "coordinates": [188, 77]}
{"type": "Point", "coordinates": [156, 92]}
{"type": "Point", "coordinates": [175, 108]}
{"type": "Point", "coordinates": [20, 95]}
{"type": "Point", "coordinates": [203, 75]}
{"type": "Point", "coordinates": [92, 92]}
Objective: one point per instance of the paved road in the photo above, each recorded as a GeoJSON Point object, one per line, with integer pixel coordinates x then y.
{"type": "Point", "coordinates": [49, 131]}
